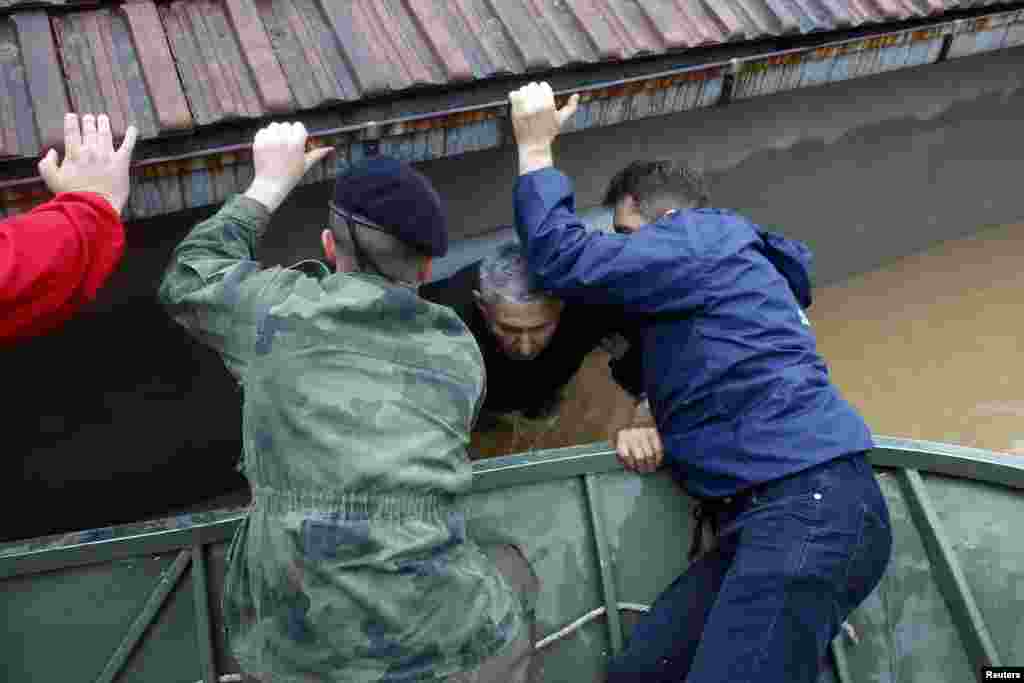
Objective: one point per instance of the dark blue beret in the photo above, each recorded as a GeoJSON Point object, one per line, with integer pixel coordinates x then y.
{"type": "Point", "coordinates": [398, 198]}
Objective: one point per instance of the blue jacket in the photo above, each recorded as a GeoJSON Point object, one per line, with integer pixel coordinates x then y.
{"type": "Point", "coordinates": [730, 365]}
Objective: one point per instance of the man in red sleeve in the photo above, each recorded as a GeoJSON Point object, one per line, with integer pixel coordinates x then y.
{"type": "Point", "coordinates": [55, 258]}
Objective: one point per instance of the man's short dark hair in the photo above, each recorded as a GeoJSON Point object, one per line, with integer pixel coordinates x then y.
{"type": "Point", "coordinates": [658, 182]}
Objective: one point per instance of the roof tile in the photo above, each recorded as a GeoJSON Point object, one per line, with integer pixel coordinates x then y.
{"type": "Point", "coordinates": [308, 52]}
{"type": "Point", "coordinates": [524, 33]}
{"type": "Point", "coordinates": [666, 20]}
{"type": "Point", "coordinates": [560, 27]}
{"type": "Point", "coordinates": [722, 12]}
{"type": "Point", "coordinates": [702, 26]}
{"type": "Point", "coordinates": [371, 75]}
{"type": "Point", "coordinates": [592, 22]}
{"type": "Point", "coordinates": [218, 82]}
{"type": "Point", "coordinates": [18, 136]}
{"type": "Point", "coordinates": [634, 32]}
{"type": "Point", "coordinates": [404, 67]}
{"type": "Point", "coordinates": [759, 16]}
{"type": "Point", "coordinates": [839, 11]}
{"type": "Point", "coordinates": [788, 14]}
{"type": "Point", "coordinates": [104, 75]}
{"type": "Point", "coordinates": [43, 74]}
{"type": "Point", "coordinates": [816, 15]}
{"type": "Point", "coordinates": [267, 74]}
{"type": "Point", "coordinates": [434, 25]}
{"type": "Point", "coordinates": [160, 74]}
{"type": "Point", "coordinates": [14, 4]}
{"type": "Point", "coordinates": [486, 42]}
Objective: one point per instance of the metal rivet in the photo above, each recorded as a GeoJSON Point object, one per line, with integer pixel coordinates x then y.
{"type": "Point", "coordinates": [817, 496]}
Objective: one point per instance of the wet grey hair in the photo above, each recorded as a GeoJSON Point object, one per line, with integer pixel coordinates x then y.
{"type": "Point", "coordinates": [504, 277]}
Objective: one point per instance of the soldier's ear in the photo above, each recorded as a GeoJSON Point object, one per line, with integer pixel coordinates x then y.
{"type": "Point", "coordinates": [426, 268]}
{"type": "Point", "coordinates": [330, 248]}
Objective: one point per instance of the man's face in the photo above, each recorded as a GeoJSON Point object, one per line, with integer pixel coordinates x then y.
{"type": "Point", "coordinates": [522, 330]}
{"type": "Point", "coordinates": [626, 217]}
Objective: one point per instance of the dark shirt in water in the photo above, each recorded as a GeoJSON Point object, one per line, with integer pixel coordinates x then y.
{"type": "Point", "coordinates": [534, 386]}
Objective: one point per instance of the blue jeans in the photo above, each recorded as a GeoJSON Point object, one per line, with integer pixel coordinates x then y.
{"type": "Point", "coordinates": [794, 557]}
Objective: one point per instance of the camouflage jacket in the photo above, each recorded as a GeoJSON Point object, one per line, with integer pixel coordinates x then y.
{"type": "Point", "coordinates": [353, 564]}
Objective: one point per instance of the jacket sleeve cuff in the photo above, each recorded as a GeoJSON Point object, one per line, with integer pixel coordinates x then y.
{"type": "Point", "coordinates": [93, 199]}
{"type": "Point", "coordinates": [547, 183]}
{"type": "Point", "coordinates": [247, 212]}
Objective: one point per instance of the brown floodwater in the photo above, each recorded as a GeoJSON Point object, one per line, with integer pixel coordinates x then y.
{"type": "Point", "coordinates": [928, 347]}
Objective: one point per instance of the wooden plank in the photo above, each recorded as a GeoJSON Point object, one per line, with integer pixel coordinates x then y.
{"type": "Point", "coordinates": [427, 16]}
{"type": "Point", "coordinates": [259, 56]}
{"type": "Point", "coordinates": [158, 69]}
{"type": "Point", "coordinates": [371, 77]}
{"type": "Point", "coordinates": [524, 32]}
{"type": "Point", "coordinates": [43, 73]}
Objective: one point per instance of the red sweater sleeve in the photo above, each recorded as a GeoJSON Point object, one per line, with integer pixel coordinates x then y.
{"type": "Point", "coordinates": [53, 260]}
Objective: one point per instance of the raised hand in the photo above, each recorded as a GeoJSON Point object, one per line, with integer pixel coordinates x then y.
{"type": "Point", "coordinates": [91, 164]}
{"type": "Point", "coordinates": [280, 160]}
{"type": "Point", "coordinates": [537, 122]}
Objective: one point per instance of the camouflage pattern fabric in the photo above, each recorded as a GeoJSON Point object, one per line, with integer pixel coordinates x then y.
{"type": "Point", "coordinates": [353, 563]}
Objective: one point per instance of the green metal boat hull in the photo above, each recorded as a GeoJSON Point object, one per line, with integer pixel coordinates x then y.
{"type": "Point", "coordinates": [141, 602]}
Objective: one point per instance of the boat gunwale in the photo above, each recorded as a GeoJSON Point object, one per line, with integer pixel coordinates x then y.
{"type": "Point", "coordinates": [164, 535]}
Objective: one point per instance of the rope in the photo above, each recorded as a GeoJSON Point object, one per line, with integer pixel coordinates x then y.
{"type": "Point", "coordinates": [847, 627]}
{"type": "Point", "coordinates": [585, 619]}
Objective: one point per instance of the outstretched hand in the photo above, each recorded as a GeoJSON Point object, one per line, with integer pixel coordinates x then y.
{"type": "Point", "coordinates": [280, 160]}
{"type": "Point", "coordinates": [639, 449]}
{"type": "Point", "coordinates": [91, 164]}
{"type": "Point", "coordinates": [537, 122]}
